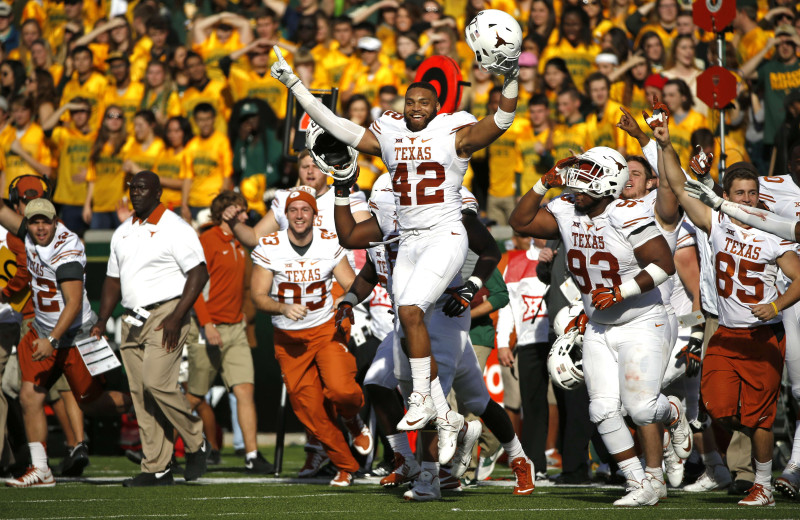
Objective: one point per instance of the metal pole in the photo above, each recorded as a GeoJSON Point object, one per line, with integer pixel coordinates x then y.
{"type": "Point", "coordinates": [280, 433]}
{"type": "Point", "coordinates": [722, 156]}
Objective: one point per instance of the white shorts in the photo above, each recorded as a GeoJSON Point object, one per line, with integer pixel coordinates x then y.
{"type": "Point", "coordinates": [791, 323]}
{"type": "Point", "coordinates": [427, 261]}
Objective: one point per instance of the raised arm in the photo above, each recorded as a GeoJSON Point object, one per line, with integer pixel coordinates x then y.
{"type": "Point", "coordinates": [752, 64]}
{"type": "Point", "coordinates": [10, 219]}
{"type": "Point", "coordinates": [667, 210]}
{"type": "Point", "coordinates": [92, 35]}
{"type": "Point", "coordinates": [527, 218]}
{"type": "Point", "coordinates": [362, 13]}
{"type": "Point", "coordinates": [202, 28]}
{"type": "Point", "coordinates": [241, 24]}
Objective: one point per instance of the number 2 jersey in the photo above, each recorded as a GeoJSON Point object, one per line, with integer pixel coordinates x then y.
{"type": "Point", "coordinates": [304, 280]}
{"type": "Point", "coordinates": [425, 169]}
{"type": "Point", "coordinates": [600, 253]}
{"type": "Point", "coordinates": [744, 269]}
{"type": "Point", "coordinates": [63, 259]}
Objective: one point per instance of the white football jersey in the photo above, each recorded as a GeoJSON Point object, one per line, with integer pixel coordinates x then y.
{"type": "Point", "coordinates": [304, 280]}
{"type": "Point", "coordinates": [324, 218]}
{"type": "Point", "coordinates": [43, 262]}
{"type": "Point", "coordinates": [680, 299]}
{"type": "Point", "coordinates": [780, 195]}
{"type": "Point", "coordinates": [745, 270]}
{"type": "Point", "coordinates": [425, 169]}
{"type": "Point", "coordinates": [600, 254]}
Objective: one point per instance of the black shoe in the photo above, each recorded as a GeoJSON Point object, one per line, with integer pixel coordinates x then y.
{"type": "Point", "coordinates": [259, 465]}
{"type": "Point", "coordinates": [135, 456]}
{"type": "Point", "coordinates": [163, 478]}
{"type": "Point", "coordinates": [573, 478]}
{"type": "Point", "coordinates": [214, 458]}
{"type": "Point", "coordinates": [196, 463]}
{"type": "Point", "coordinates": [75, 461]}
{"type": "Point", "coordinates": [740, 487]}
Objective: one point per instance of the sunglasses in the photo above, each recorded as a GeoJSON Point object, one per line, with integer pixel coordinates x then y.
{"type": "Point", "coordinates": [431, 9]}
{"type": "Point", "coordinates": [114, 116]}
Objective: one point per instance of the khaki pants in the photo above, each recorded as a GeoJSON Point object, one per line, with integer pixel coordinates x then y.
{"type": "Point", "coordinates": [234, 359]}
{"type": "Point", "coordinates": [500, 208]}
{"type": "Point", "coordinates": [157, 397]}
{"type": "Point", "coordinates": [9, 336]}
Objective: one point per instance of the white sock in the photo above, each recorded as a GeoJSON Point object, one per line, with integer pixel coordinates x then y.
{"type": "Point", "coordinates": [632, 469]}
{"type": "Point", "coordinates": [657, 473]}
{"type": "Point", "coordinates": [431, 467]}
{"type": "Point", "coordinates": [439, 400]}
{"type": "Point", "coordinates": [421, 374]}
{"type": "Point", "coordinates": [513, 448]}
{"type": "Point", "coordinates": [711, 459]}
{"type": "Point", "coordinates": [795, 458]}
{"type": "Point", "coordinates": [250, 455]}
{"type": "Point", "coordinates": [399, 444]}
{"type": "Point", "coordinates": [38, 455]}
{"type": "Point", "coordinates": [763, 473]}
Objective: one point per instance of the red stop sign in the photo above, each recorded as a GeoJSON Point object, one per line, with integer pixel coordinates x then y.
{"type": "Point", "coordinates": [713, 15]}
{"type": "Point", "coordinates": [716, 87]}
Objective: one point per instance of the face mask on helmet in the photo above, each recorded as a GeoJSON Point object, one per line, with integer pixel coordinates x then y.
{"type": "Point", "coordinates": [599, 172]}
{"type": "Point", "coordinates": [585, 178]}
{"type": "Point", "coordinates": [331, 156]}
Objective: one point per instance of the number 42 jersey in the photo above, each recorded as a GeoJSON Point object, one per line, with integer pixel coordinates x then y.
{"type": "Point", "coordinates": [600, 253]}
{"type": "Point", "coordinates": [426, 170]}
{"type": "Point", "coordinates": [304, 280]}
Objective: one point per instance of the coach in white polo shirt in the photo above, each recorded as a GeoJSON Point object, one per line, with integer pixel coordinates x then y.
{"type": "Point", "coordinates": [157, 268]}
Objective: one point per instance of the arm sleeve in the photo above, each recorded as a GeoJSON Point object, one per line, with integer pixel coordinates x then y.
{"type": "Point", "coordinates": [69, 271]}
{"type": "Point", "coordinates": [761, 219]}
{"type": "Point", "coordinates": [505, 324]}
{"type": "Point", "coordinates": [498, 291]}
{"type": "Point", "coordinates": [342, 129]}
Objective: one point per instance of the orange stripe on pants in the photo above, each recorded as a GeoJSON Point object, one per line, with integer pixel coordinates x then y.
{"type": "Point", "coordinates": [317, 366]}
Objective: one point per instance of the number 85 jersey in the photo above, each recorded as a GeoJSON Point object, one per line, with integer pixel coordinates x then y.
{"type": "Point", "coordinates": [304, 280]}
{"type": "Point", "coordinates": [426, 170]}
{"type": "Point", "coordinates": [600, 253]}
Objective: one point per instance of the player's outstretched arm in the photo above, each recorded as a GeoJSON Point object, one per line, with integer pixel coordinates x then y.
{"type": "Point", "coordinates": [527, 219]}
{"type": "Point", "coordinates": [10, 219]}
{"type": "Point", "coordinates": [470, 139]}
{"type": "Point", "coordinates": [342, 129]}
{"type": "Point", "coordinates": [789, 263]}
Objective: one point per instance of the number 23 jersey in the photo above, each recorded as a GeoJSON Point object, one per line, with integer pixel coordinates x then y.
{"type": "Point", "coordinates": [600, 253]}
{"type": "Point", "coordinates": [304, 280]}
{"type": "Point", "coordinates": [426, 170]}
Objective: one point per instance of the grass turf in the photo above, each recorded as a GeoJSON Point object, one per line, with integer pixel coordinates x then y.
{"type": "Point", "coordinates": [227, 492]}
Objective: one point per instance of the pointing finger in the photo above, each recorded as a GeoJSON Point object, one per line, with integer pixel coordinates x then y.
{"type": "Point", "coordinates": [278, 53]}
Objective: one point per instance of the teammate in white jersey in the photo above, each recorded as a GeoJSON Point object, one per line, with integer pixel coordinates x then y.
{"type": "Point", "coordinates": [743, 364]}
{"type": "Point", "coordinates": [608, 242]}
{"type": "Point", "coordinates": [56, 261]}
{"type": "Point", "coordinates": [427, 155]}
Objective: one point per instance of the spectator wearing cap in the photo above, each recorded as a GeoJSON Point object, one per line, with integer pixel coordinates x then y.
{"type": "Point", "coordinates": [85, 82]}
{"type": "Point", "coordinates": [527, 80]}
{"type": "Point", "coordinates": [207, 164]}
{"type": "Point", "coordinates": [367, 75]}
{"type": "Point", "coordinates": [606, 63]}
{"type": "Point", "coordinates": [202, 89]}
{"type": "Point", "coordinates": [72, 145]}
{"type": "Point", "coordinates": [217, 36]}
{"type": "Point", "coordinates": [23, 146]}
{"type": "Point", "coordinates": [8, 33]}
{"type": "Point", "coordinates": [777, 77]}
{"type": "Point", "coordinates": [123, 91]}
{"type": "Point", "coordinates": [156, 270]}
{"type": "Point", "coordinates": [750, 36]}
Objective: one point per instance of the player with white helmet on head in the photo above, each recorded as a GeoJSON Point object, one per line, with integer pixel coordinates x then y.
{"type": "Point", "coordinates": [607, 240]}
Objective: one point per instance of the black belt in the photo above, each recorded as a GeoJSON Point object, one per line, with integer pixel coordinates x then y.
{"type": "Point", "coordinates": [152, 306]}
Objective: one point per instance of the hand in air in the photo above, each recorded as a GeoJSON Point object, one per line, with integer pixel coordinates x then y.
{"type": "Point", "coordinates": [703, 193]}
{"type": "Point", "coordinates": [660, 114]}
{"type": "Point", "coordinates": [556, 176]}
{"type": "Point", "coordinates": [701, 164]}
{"type": "Point", "coordinates": [281, 70]}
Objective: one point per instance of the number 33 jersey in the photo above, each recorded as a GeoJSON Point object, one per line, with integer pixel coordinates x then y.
{"type": "Point", "coordinates": [426, 170]}
{"type": "Point", "coordinates": [744, 269]}
{"type": "Point", "coordinates": [304, 280]}
{"type": "Point", "coordinates": [45, 265]}
{"type": "Point", "coordinates": [600, 253]}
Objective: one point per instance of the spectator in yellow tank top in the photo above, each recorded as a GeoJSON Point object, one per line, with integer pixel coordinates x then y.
{"type": "Point", "coordinates": [574, 45]}
{"type": "Point", "coordinates": [178, 133]}
{"type": "Point", "coordinates": [684, 119]}
{"type": "Point", "coordinates": [106, 180]}
{"type": "Point", "coordinates": [542, 20]}
{"type": "Point", "coordinates": [556, 79]}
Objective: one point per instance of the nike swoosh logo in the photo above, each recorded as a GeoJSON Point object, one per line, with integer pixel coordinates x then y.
{"type": "Point", "coordinates": [426, 140]}
{"type": "Point", "coordinates": [454, 233]}
{"type": "Point", "coordinates": [659, 324]}
{"type": "Point", "coordinates": [688, 446]}
{"type": "Point", "coordinates": [756, 240]}
{"type": "Point", "coordinates": [162, 474]}
{"type": "Point", "coordinates": [225, 252]}
{"type": "Point", "coordinates": [410, 423]}
{"type": "Point", "coordinates": [599, 228]}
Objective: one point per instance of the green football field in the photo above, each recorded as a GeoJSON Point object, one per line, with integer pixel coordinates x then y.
{"type": "Point", "coordinates": [227, 492]}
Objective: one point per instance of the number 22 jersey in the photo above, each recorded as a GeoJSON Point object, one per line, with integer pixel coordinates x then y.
{"type": "Point", "coordinates": [426, 171]}
{"type": "Point", "coordinates": [304, 280]}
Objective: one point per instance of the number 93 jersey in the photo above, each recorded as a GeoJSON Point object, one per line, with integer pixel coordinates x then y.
{"type": "Point", "coordinates": [304, 280]}
{"type": "Point", "coordinates": [600, 253]}
{"type": "Point", "coordinates": [425, 169]}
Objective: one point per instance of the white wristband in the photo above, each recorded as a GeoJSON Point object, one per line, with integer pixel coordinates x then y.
{"type": "Point", "coordinates": [341, 201]}
{"type": "Point", "coordinates": [540, 188]}
{"type": "Point", "coordinates": [477, 281]}
{"type": "Point", "coordinates": [629, 288]}
{"type": "Point", "coordinates": [658, 275]}
{"type": "Point", "coordinates": [503, 119]}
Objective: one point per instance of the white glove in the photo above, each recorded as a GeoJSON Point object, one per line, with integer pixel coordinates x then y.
{"type": "Point", "coordinates": [282, 71]}
{"type": "Point", "coordinates": [703, 193]}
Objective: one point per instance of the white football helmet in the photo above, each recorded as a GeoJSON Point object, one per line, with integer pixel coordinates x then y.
{"type": "Point", "coordinates": [496, 39]}
{"type": "Point", "coordinates": [565, 361]}
{"type": "Point", "coordinates": [599, 172]}
{"type": "Point", "coordinates": [564, 316]}
{"type": "Point", "coordinates": [333, 157]}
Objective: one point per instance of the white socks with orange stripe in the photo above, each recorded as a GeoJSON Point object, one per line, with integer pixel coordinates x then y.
{"type": "Point", "coordinates": [632, 468]}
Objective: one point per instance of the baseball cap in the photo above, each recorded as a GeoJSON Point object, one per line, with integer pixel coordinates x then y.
{"type": "Point", "coordinates": [607, 57]}
{"type": "Point", "coordinates": [30, 187]}
{"type": "Point", "coordinates": [117, 55]}
{"type": "Point", "coordinates": [368, 43]}
{"type": "Point", "coordinates": [5, 9]}
{"type": "Point", "coordinates": [414, 61]}
{"type": "Point", "coordinates": [249, 109]}
{"type": "Point", "coordinates": [655, 80]}
{"type": "Point", "coordinates": [786, 30]}
{"type": "Point", "coordinates": [41, 207]}
{"type": "Point", "coordinates": [303, 195]}
{"type": "Point", "coordinates": [528, 59]}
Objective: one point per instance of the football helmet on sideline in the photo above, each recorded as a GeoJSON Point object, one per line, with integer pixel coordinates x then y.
{"type": "Point", "coordinates": [565, 361]}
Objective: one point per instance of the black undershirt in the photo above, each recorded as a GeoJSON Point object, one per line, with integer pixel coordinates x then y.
{"type": "Point", "coordinates": [300, 250]}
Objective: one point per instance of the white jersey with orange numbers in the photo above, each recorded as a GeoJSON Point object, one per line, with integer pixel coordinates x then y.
{"type": "Point", "coordinates": [324, 218]}
{"type": "Point", "coordinates": [304, 280]}
{"type": "Point", "coordinates": [745, 270]}
{"type": "Point", "coordinates": [600, 253]}
{"type": "Point", "coordinates": [43, 264]}
{"type": "Point", "coordinates": [780, 195]}
{"type": "Point", "coordinates": [425, 169]}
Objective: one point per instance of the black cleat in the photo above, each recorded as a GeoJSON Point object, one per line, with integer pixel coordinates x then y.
{"type": "Point", "coordinates": [196, 463]}
{"type": "Point", "coordinates": [75, 461]}
{"type": "Point", "coordinates": [161, 478]}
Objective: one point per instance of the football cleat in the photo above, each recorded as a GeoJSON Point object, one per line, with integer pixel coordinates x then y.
{"type": "Point", "coordinates": [448, 427]}
{"type": "Point", "coordinates": [405, 470]}
{"type": "Point", "coordinates": [553, 459]}
{"type": "Point", "coordinates": [673, 465]}
{"type": "Point", "coordinates": [76, 460]}
{"type": "Point", "coordinates": [420, 412]}
{"type": "Point", "coordinates": [448, 481]}
{"type": "Point", "coordinates": [681, 431]}
{"type": "Point", "coordinates": [342, 479]}
{"type": "Point", "coordinates": [196, 463]}
{"type": "Point", "coordinates": [34, 477]}
{"type": "Point", "coordinates": [789, 482]}
{"type": "Point", "coordinates": [639, 494]}
{"type": "Point", "coordinates": [463, 455]}
{"type": "Point", "coordinates": [659, 486]}
{"type": "Point", "coordinates": [360, 436]}
{"type": "Point", "coordinates": [486, 464]}
{"type": "Point", "coordinates": [758, 496]}
{"type": "Point", "coordinates": [426, 488]}
{"type": "Point", "coordinates": [316, 458]}
{"type": "Point", "coordinates": [525, 475]}
{"type": "Point", "coordinates": [717, 477]}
